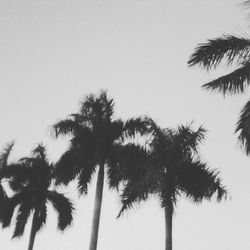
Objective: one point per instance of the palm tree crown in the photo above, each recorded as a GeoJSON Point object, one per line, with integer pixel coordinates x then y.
{"type": "Point", "coordinates": [233, 50]}
{"type": "Point", "coordinates": [30, 179]}
{"type": "Point", "coordinates": [95, 137]}
{"type": "Point", "coordinates": [169, 168]}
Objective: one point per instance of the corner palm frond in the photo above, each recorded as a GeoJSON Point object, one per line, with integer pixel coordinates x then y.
{"type": "Point", "coordinates": [210, 54]}
{"type": "Point", "coordinates": [5, 154]}
{"type": "Point", "coordinates": [64, 208]}
{"type": "Point", "coordinates": [232, 83]}
{"type": "Point", "coordinates": [243, 127]}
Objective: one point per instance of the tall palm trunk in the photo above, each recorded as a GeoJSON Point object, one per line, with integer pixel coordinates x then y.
{"type": "Point", "coordinates": [33, 231]}
{"type": "Point", "coordinates": [168, 228]}
{"type": "Point", "coordinates": [97, 208]}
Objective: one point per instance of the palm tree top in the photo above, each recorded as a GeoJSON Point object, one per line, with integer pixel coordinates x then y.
{"type": "Point", "coordinates": [95, 135]}
{"type": "Point", "coordinates": [171, 167]}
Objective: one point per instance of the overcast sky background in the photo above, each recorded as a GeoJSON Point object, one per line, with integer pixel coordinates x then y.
{"type": "Point", "coordinates": [53, 52]}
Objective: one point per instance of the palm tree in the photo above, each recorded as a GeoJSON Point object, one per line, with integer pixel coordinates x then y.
{"type": "Point", "coordinates": [30, 179]}
{"type": "Point", "coordinates": [171, 166]}
{"type": "Point", "coordinates": [234, 51]}
{"type": "Point", "coordinates": [95, 136]}
{"type": "Point", "coordinates": [3, 163]}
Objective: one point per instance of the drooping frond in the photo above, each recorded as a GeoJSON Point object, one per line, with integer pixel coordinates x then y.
{"type": "Point", "coordinates": [5, 154]}
{"type": "Point", "coordinates": [232, 83]}
{"type": "Point", "coordinates": [65, 127]}
{"type": "Point", "coordinates": [64, 208]}
{"type": "Point", "coordinates": [65, 168]}
{"type": "Point", "coordinates": [21, 219]}
{"type": "Point", "coordinates": [9, 208]}
{"type": "Point", "coordinates": [134, 192]}
{"type": "Point", "coordinates": [41, 216]}
{"type": "Point", "coordinates": [243, 127]}
{"type": "Point", "coordinates": [85, 177]}
{"type": "Point", "coordinates": [199, 182]}
{"type": "Point", "coordinates": [210, 54]}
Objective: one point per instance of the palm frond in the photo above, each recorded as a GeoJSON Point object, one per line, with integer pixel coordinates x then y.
{"type": "Point", "coordinates": [243, 127]}
{"type": "Point", "coordinates": [5, 154]}
{"type": "Point", "coordinates": [133, 193]}
{"type": "Point", "coordinates": [41, 216]}
{"type": "Point", "coordinates": [85, 177]}
{"type": "Point", "coordinates": [9, 208]}
{"type": "Point", "coordinates": [65, 168]}
{"type": "Point", "coordinates": [139, 125]}
{"type": "Point", "coordinates": [21, 220]}
{"type": "Point", "coordinates": [210, 54]}
{"type": "Point", "coordinates": [65, 127]}
{"type": "Point", "coordinates": [199, 182]}
{"type": "Point", "coordinates": [64, 208]}
{"type": "Point", "coordinates": [187, 137]}
{"type": "Point", "coordinates": [232, 83]}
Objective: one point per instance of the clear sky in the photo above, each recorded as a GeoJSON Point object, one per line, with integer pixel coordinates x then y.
{"type": "Point", "coordinates": [53, 52]}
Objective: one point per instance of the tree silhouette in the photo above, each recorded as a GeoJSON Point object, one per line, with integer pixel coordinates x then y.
{"type": "Point", "coordinates": [171, 166]}
{"type": "Point", "coordinates": [95, 136]}
{"type": "Point", "coordinates": [235, 52]}
{"type": "Point", "coordinates": [30, 179]}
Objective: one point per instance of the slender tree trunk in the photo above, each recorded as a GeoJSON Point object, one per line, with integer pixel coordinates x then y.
{"type": "Point", "coordinates": [97, 208]}
{"type": "Point", "coordinates": [168, 228]}
{"type": "Point", "coordinates": [33, 231]}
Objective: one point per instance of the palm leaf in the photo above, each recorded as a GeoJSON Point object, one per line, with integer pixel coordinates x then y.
{"type": "Point", "coordinates": [65, 167]}
{"type": "Point", "coordinates": [243, 127]}
{"type": "Point", "coordinates": [85, 176]}
{"type": "Point", "coordinates": [10, 206]}
{"type": "Point", "coordinates": [232, 83]}
{"type": "Point", "coordinates": [22, 217]}
{"type": "Point", "coordinates": [133, 193]}
{"type": "Point", "coordinates": [227, 47]}
{"type": "Point", "coordinates": [139, 125]}
{"type": "Point", "coordinates": [64, 208]}
{"type": "Point", "coordinates": [198, 182]}
{"type": "Point", "coordinates": [65, 127]}
{"type": "Point", "coordinates": [41, 216]}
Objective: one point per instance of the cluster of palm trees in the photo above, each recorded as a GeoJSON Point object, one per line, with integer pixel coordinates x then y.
{"type": "Point", "coordinates": [166, 166]}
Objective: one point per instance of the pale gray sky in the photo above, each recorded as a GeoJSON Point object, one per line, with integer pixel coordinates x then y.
{"type": "Point", "coordinates": [53, 52]}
